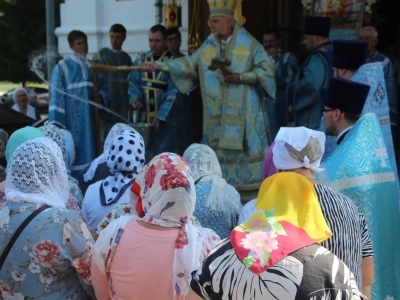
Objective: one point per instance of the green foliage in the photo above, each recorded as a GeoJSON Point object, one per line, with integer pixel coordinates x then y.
{"type": "Point", "coordinates": [22, 30]}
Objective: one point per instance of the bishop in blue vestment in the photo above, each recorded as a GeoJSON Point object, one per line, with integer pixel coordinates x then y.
{"type": "Point", "coordinates": [236, 77]}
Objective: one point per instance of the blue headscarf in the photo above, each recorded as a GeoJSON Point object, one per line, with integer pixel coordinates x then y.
{"type": "Point", "coordinates": [21, 136]}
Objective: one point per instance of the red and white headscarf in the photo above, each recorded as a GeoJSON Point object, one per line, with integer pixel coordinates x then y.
{"type": "Point", "coordinates": [168, 199]}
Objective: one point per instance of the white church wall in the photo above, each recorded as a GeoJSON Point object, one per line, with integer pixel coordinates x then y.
{"type": "Point", "coordinates": [94, 17]}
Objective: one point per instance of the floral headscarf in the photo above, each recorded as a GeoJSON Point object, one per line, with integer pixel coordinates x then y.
{"type": "Point", "coordinates": [168, 200]}
{"type": "Point", "coordinates": [288, 217]}
{"type": "Point", "coordinates": [54, 133]}
{"type": "Point", "coordinates": [205, 166]}
{"type": "Point", "coordinates": [37, 174]}
{"type": "Point", "coordinates": [125, 161]}
{"type": "Point", "coordinates": [115, 130]}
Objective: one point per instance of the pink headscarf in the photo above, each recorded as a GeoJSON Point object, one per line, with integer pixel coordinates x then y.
{"type": "Point", "coordinates": [269, 167]}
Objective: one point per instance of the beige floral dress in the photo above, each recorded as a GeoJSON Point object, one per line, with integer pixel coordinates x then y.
{"type": "Point", "coordinates": [51, 257]}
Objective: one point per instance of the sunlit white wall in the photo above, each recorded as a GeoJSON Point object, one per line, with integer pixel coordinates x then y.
{"type": "Point", "coordinates": [94, 17]}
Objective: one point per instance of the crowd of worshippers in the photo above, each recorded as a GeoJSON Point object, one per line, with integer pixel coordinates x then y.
{"type": "Point", "coordinates": [147, 231]}
{"type": "Point", "coordinates": [166, 221]}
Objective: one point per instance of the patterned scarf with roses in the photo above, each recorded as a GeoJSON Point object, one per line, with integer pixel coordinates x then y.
{"type": "Point", "coordinates": [288, 217]}
{"type": "Point", "coordinates": [168, 199]}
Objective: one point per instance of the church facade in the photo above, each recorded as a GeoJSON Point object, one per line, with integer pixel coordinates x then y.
{"type": "Point", "coordinates": [95, 17]}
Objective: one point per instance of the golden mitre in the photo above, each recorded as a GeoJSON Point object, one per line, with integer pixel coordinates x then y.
{"type": "Point", "coordinates": [222, 8]}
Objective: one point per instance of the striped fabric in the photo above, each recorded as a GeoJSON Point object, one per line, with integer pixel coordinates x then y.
{"type": "Point", "coordinates": [350, 241]}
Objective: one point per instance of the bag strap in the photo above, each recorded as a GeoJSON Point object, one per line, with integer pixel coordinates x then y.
{"type": "Point", "coordinates": [16, 234]}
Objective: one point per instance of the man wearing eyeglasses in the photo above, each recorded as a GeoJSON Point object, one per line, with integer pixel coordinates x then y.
{"type": "Point", "coordinates": [360, 168]}
{"type": "Point", "coordinates": [342, 110]}
{"type": "Point", "coordinates": [174, 41]}
{"type": "Point", "coordinates": [350, 62]}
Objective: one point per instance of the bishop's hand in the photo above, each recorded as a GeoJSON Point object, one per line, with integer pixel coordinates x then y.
{"type": "Point", "coordinates": [233, 78]}
{"type": "Point", "coordinates": [149, 66]}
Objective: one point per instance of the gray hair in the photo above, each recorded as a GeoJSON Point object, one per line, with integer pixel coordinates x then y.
{"type": "Point", "coordinates": [230, 20]}
{"type": "Point", "coordinates": [370, 28]}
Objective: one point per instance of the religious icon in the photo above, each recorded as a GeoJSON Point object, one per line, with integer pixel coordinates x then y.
{"type": "Point", "coordinates": [339, 10]}
{"type": "Point", "coordinates": [346, 16]}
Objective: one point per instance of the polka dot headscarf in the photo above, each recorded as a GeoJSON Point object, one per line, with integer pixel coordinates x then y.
{"type": "Point", "coordinates": [126, 158]}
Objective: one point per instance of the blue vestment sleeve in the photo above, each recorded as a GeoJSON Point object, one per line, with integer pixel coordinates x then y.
{"type": "Point", "coordinates": [183, 72]}
{"type": "Point", "coordinates": [134, 79]}
{"type": "Point", "coordinates": [57, 97]}
{"type": "Point", "coordinates": [314, 76]}
{"type": "Point", "coordinates": [263, 71]}
{"type": "Point", "coordinates": [168, 102]}
{"type": "Point", "coordinates": [292, 68]}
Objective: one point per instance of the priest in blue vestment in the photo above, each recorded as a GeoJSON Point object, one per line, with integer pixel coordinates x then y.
{"type": "Point", "coordinates": [370, 35]}
{"type": "Point", "coordinates": [306, 95]}
{"type": "Point", "coordinates": [236, 77]}
{"type": "Point", "coordinates": [71, 86]}
{"type": "Point", "coordinates": [117, 81]}
{"type": "Point", "coordinates": [360, 168]}
{"type": "Point", "coordinates": [153, 96]}
{"type": "Point", "coordinates": [349, 62]}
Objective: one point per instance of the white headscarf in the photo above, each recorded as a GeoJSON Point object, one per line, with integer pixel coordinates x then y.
{"type": "Point", "coordinates": [117, 128]}
{"type": "Point", "coordinates": [37, 174]}
{"type": "Point", "coordinates": [30, 111]}
{"type": "Point", "coordinates": [298, 147]}
{"type": "Point", "coordinates": [54, 133]}
{"type": "Point", "coordinates": [125, 161]}
{"type": "Point", "coordinates": [205, 166]}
